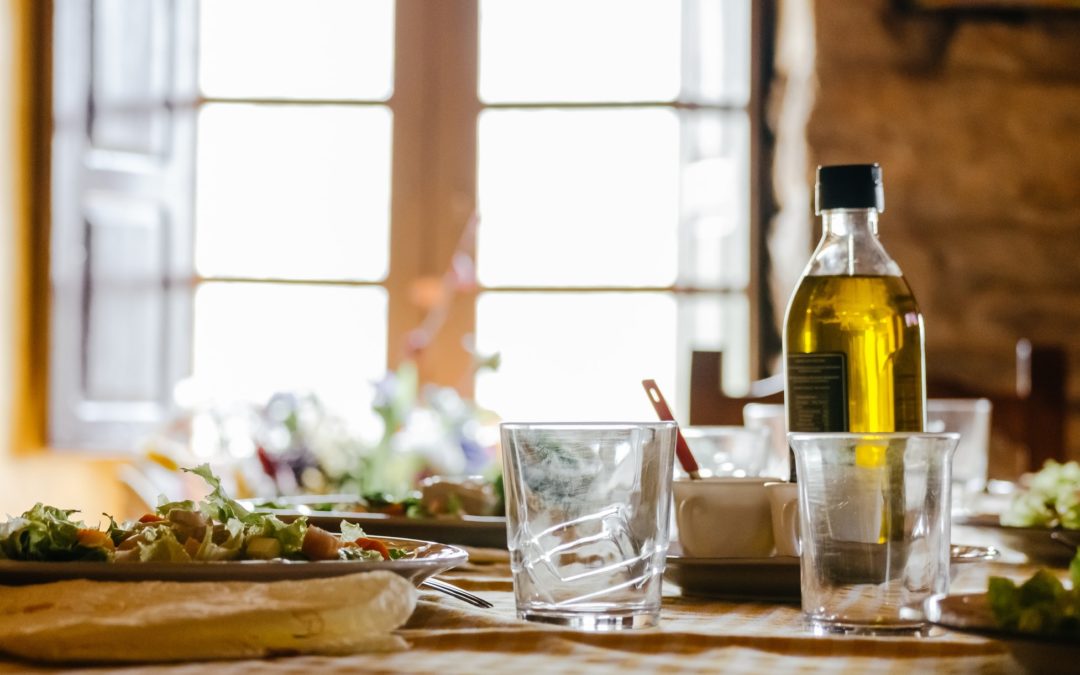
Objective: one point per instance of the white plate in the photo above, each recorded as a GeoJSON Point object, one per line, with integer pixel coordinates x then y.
{"type": "Point", "coordinates": [1037, 543]}
{"type": "Point", "coordinates": [425, 559]}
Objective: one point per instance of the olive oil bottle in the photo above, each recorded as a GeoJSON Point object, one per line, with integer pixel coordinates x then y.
{"type": "Point", "coordinates": [853, 336]}
{"type": "Point", "coordinates": [853, 361]}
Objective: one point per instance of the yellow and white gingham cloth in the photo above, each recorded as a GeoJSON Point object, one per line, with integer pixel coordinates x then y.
{"type": "Point", "coordinates": [695, 636]}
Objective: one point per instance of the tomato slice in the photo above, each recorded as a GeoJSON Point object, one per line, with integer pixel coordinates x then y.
{"type": "Point", "coordinates": [393, 509]}
{"type": "Point", "coordinates": [94, 539]}
{"type": "Point", "coordinates": [151, 518]}
{"type": "Point", "coordinates": [371, 545]}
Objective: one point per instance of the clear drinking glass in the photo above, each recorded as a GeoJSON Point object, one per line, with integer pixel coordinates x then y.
{"type": "Point", "coordinates": [588, 508]}
{"type": "Point", "coordinates": [969, 417]}
{"type": "Point", "coordinates": [728, 450]}
{"type": "Point", "coordinates": [874, 523]}
{"type": "Point", "coordinates": [771, 416]}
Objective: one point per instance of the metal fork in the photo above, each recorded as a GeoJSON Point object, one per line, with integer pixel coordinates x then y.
{"type": "Point", "coordinates": [455, 592]}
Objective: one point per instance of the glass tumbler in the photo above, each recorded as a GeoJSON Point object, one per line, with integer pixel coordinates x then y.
{"type": "Point", "coordinates": [728, 450]}
{"type": "Point", "coordinates": [969, 417]}
{"type": "Point", "coordinates": [588, 508]}
{"type": "Point", "coordinates": [874, 524]}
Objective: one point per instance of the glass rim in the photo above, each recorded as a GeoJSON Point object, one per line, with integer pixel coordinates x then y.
{"type": "Point", "coordinates": [587, 425]}
{"type": "Point", "coordinates": [691, 428]}
{"type": "Point", "coordinates": [883, 435]}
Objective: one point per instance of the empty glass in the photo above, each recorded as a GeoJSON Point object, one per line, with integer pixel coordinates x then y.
{"type": "Point", "coordinates": [771, 416]}
{"type": "Point", "coordinates": [587, 508]}
{"type": "Point", "coordinates": [969, 417]}
{"type": "Point", "coordinates": [728, 450]}
{"type": "Point", "coordinates": [874, 525]}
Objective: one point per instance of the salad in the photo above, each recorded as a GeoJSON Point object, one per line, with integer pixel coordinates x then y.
{"type": "Point", "coordinates": [1051, 500]}
{"type": "Point", "coordinates": [438, 497]}
{"type": "Point", "coordinates": [1042, 604]}
{"type": "Point", "coordinates": [216, 528]}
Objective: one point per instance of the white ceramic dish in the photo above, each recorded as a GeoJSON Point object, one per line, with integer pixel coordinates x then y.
{"type": "Point", "coordinates": [773, 579]}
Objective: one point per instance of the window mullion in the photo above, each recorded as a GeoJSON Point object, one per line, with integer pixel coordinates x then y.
{"type": "Point", "coordinates": [434, 183]}
{"type": "Point", "coordinates": [408, 190]}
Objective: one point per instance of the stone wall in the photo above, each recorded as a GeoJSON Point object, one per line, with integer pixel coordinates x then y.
{"type": "Point", "coordinates": [975, 119]}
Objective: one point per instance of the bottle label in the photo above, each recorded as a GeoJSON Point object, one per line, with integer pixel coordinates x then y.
{"type": "Point", "coordinates": [817, 392]}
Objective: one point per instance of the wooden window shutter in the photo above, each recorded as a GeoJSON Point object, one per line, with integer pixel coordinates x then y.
{"type": "Point", "coordinates": [121, 241]}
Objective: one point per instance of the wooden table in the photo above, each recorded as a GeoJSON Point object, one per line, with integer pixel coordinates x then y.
{"type": "Point", "coordinates": [696, 635]}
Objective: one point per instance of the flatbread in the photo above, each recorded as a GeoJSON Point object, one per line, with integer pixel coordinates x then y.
{"type": "Point", "coordinates": [93, 621]}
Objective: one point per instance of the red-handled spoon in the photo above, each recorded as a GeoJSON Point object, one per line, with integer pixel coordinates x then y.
{"type": "Point", "coordinates": [682, 450]}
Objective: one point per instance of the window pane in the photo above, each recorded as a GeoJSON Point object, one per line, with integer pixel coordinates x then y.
{"type": "Point", "coordinates": [717, 45]}
{"type": "Point", "coordinates": [584, 197]}
{"type": "Point", "coordinates": [293, 192]}
{"type": "Point", "coordinates": [252, 340]}
{"type": "Point", "coordinates": [717, 323]}
{"type": "Point", "coordinates": [297, 48]}
{"type": "Point", "coordinates": [575, 356]}
{"type": "Point", "coordinates": [716, 200]}
{"type": "Point", "coordinates": [567, 50]}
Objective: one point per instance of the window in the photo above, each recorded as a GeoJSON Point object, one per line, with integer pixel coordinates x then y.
{"type": "Point", "coordinates": [258, 195]}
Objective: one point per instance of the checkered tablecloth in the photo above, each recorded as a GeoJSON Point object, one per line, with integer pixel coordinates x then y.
{"type": "Point", "coordinates": [696, 635]}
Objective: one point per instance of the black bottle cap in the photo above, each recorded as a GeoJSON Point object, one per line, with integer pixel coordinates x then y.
{"type": "Point", "coordinates": [849, 186]}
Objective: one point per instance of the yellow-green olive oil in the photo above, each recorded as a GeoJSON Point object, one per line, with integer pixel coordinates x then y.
{"type": "Point", "coordinates": [872, 325]}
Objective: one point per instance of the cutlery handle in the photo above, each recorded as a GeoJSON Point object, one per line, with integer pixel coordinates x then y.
{"type": "Point", "coordinates": [455, 592]}
{"type": "Point", "coordinates": [682, 450]}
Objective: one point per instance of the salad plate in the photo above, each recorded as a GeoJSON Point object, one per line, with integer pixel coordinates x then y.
{"type": "Point", "coordinates": [1054, 546]}
{"type": "Point", "coordinates": [970, 613]}
{"type": "Point", "coordinates": [422, 559]}
{"type": "Point", "coordinates": [1041, 520]}
{"type": "Point", "coordinates": [479, 531]}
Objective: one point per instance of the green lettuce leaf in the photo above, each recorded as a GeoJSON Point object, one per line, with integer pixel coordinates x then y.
{"type": "Point", "coordinates": [218, 505]}
{"type": "Point", "coordinates": [159, 544]}
{"type": "Point", "coordinates": [290, 536]}
{"type": "Point", "coordinates": [230, 549]}
{"type": "Point", "coordinates": [1051, 500]}
{"type": "Point", "coordinates": [350, 532]}
{"type": "Point", "coordinates": [1004, 600]}
{"type": "Point", "coordinates": [46, 533]}
{"type": "Point", "coordinates": [164, 506]}
{"type": "Point", "coordinates": [1041, 604]}
{"type": "Point", "coordinates": [1068, 506]}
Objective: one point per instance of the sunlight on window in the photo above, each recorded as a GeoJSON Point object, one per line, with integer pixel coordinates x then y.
{"type": "Point", "coordinates": [575, 356]}
{"type": "Point", "coordinates": [717, 39]}
{"type": "Point", "coordinates": [719, 323]}
{"type": "Point", "coordinates": [297, 48]}
{"type": "Point", "coordinates": [293, 192]}
{"type": "Point", "coordinates": [574, 198]}
{"type": "Point", "coordinates": [715, 200]}
{"type": "Point", "coordinates": [252, 340]}
{"type": "Point", "coordinates": [566, 50]}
